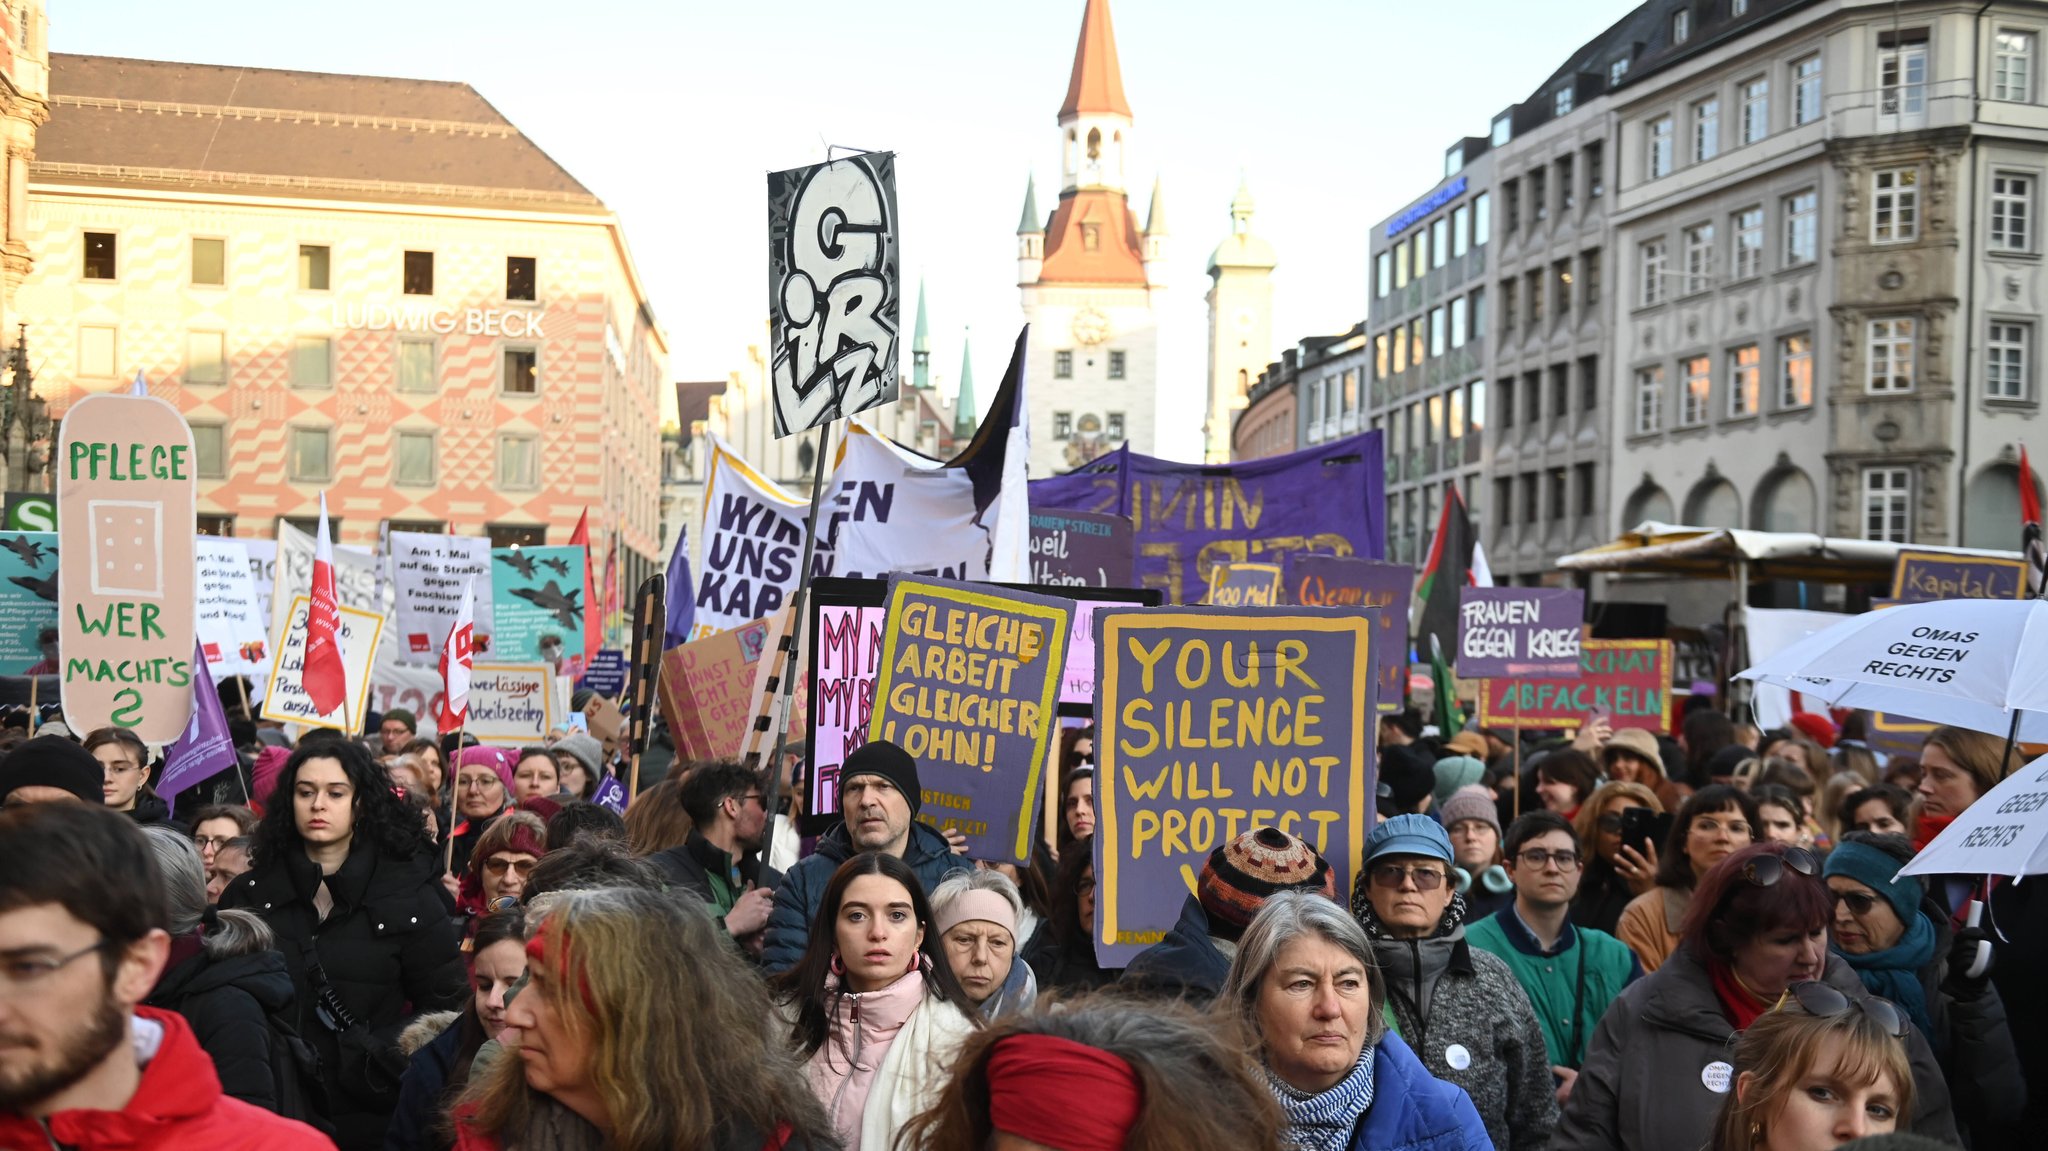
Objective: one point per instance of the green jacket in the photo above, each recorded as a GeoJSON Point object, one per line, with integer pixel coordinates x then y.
{"type": "Point", "coordinates": [1554, 981]}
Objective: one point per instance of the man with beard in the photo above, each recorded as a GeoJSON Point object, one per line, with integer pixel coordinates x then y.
{"type": "Point", "coordinates": [82, 941]}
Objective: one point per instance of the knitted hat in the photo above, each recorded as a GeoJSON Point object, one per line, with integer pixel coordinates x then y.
{"type": "Point", "coordinates": [1470, 803]}
{"type": "Point", "coordinates": [1409, 835]}
{"type": "Point", "coordinates": [1636, 742]}
{"type": "Point", "coordinates": [1874, 869]}
{"type": "Point", "coordinates": [585, 748]}
{"type": "Point", "coordinates": [1818, 728]}
{"type": "Point", "coordinates": [1454, 772]}
{"type": "Point", "coordinates": [1467, 743]}
{"type": "Point", "coordinates": [1409, 774]}
{"type": "Point", "coordinates": [53, 761]}
{"type": "Point", "coordinates": [880, 757]}
{"type": "Point", "coordinates": [1242, 874]}
{"type": "Point", "coordinates": [498, 759]}
{"type": "Point", "coordinates": [411, 722]}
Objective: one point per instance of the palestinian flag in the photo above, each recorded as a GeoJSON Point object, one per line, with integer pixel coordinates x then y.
{"type": "Point", "coordinates": [1450, 720]}
{"type": "Point", "coordinates": [2031, 545]}
{"type": "Point", "coordinates": [1455, 561]}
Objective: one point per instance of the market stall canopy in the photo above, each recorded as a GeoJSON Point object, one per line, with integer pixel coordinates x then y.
{"type": "Point", "coordinates": [1652, 548]}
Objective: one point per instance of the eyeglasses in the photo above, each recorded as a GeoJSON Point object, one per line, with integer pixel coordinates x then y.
{"type": "Point", "coordinates": [477, 782]}
{"type": "Point", "coordinates": [1860, 902]}
{"type": "Point", "coordinates": [1825, 1002]}
{"type": "Point", "coordinates": [121, 768]}
{"type": "Point", "coordinates": [1566, 861]}
{"type": "Point", "coordinates": [213, 842]}
{"type": "Point", "coordinates": [1765, 870]}
{"type": "Point", "coordinates": [499, 865]}
{"type": "Point", "coordinates": [1611, 822]}
{"type": "Point", "coordinates": [1391, 876]}
{"type": "Point", "coordinates": [18, 975]}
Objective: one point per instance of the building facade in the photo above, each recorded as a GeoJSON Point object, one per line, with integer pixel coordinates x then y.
{"type": "Point", "coordinates": [1240, 324]}
{"type": "Point", "coordinates": [25, 426]}
{"type": "Point", "coordinates": [374, 288]}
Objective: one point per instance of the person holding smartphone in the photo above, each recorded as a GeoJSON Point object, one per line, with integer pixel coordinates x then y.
{"type": "Point", "coordinates": [1616, 872]}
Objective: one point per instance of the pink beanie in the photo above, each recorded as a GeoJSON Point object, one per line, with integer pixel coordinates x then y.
{"type": "Point", "coordinates": [498, 759]}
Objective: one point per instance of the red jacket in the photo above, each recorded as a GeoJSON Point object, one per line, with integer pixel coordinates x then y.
{"type": "Point", "coordinates": [178, 1106]}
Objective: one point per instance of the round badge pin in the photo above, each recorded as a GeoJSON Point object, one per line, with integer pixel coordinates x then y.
{"type": "Point", "coordinates": [1457, 1057]}
{"type": "Point", "coordinates": [1716, 1075]}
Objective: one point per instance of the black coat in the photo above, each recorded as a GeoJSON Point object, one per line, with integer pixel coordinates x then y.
{"type": "Point", "coordinates": [228, 1003]}
{"type": "Point", "coordinates": [1603, 896]}
{"type": "Point", "coordinates": [387, 947]}
{"type": "Point", "coordinates": [689, 867]}
{"type": "Point", "coordinates": [2017, 921]}
{"type": "Point", "coordinates": [1186, 964]}
{"type": "Point", "coordinates": [1069, 968]}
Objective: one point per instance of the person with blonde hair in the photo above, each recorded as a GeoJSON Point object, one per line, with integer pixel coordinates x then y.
{"type": "Point", "coordinates": [1819, 1070]}
{"type": "Point", "coordinates": [639, 1029]}
{"type": "Point", "coordinates": [1604, 891]}
{"type": "Point", "coordinates": [1957, 767]}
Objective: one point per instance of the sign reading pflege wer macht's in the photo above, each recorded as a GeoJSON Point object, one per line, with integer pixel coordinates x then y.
{"type": "Point", "coordinates": [969, 686]}
{"type": "Point", "coordinates": [286, 700]}
{"type": "Point", "coordinates": [1211, 722]}
{"type": "Point", "coordinates": [1519, 631]}
{"type": "Point", "coordinates": [1626, 680]}
{"type": "Point", "coordinates": [127, 494]}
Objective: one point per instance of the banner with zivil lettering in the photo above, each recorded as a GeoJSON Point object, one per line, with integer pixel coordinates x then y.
{"type": "Point", "coordinates": [969, 686]}
{"type": "Point", "coordinates": [1519, 631]}
{"type": "Point", "coordinates": [1626, 680]}
{"type": "Point", "coordinates": [127, 495]}
{"type": "Point", "coordinates": [1211, 722]}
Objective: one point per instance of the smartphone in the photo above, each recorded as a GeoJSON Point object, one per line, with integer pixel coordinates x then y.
{"type": "Point", "coordinates": [1641, 827]}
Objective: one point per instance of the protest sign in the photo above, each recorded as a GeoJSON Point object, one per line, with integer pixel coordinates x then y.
{"type": "Point", "coordinates": [415, 688]}
{"type": "Point", "coordinates": [226, 618]}
{"type": "Point", "coordinates": [1211, 722]}
{"type": "Point", "coordinates": [1918, 577]}
{"type": "Point", "coordinates": [753, 538]}
{"type": "Point", "coordinates": [286, 700]}
{"type": "Point", "coordinates": [1530, 632]}
{"type": "Point", "coordinates": [1086, 548]}
{"type": "Point", "coordinates": [536, 594]}
{"type": "Point", "coordinates": [127, 487]}
{"type": "Point", "coordinates": [968, 686]}
{"type": "Point", "coordinates": [846, 651]}
{"type": "Point", "coordinates": [511, 703]}
{"type": "Point", "coordinates": [887, 509]}
{"type": "Point", "coordinates": [707, 690]}
{"type": "Point", "coordinates": [611, 794]}
{"type": "Point", "coordinates": [355, 574]}
{"type": "Point", "coordinates": [28, 597]}
{"type": "Point", "coordinates": [606, 674]}
{"type": "Point", "coordinates": [428, 573]}
{"type": "Point", "coordinates": [1380, 588]}
{"type": "Point", "coordinates": [1626, 680]}
{"type": "Point", "coordinates": [1244, 585]}
{"type": "Point", "coordinates": [834, 291]}
{"type": "Point", "coordinates": [263, 574]}
{"type": "Point", "coordinates": [1187, 518]}
{"type": "Point", "coordinates": [1077, 682]}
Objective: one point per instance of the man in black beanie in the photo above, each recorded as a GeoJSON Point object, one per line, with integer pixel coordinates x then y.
{"type": "Point", "coordinates": [50, 769]}
{"type": "Point", "coordinates": [879, 799]}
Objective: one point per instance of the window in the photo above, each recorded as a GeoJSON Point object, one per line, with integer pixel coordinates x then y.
{"type": "Point", "coordinates": [1401, 349]}
{"type": "Point", "coordinates": [1116, 365]}
{"type": "Point", "coordinates": [1461, 229]}
{"type": "Point", "coordinates": [1383, 275]}
{"type": "Point", "coordinates": [1478, 313]}
{"type": "Point", "coordinates": [2012, 66]}
{"type": "Point", "coordinates": [1456, 431]}
{"type": "Point", "coordinates": [516, 535]}
{"type": "Point", "coordinates": [1657, 163]}
{"type": "Point", "coordinates": [1418, 252]}
{"type": "Point", "coordinates": [205, 358]}
{"type": "Point", "coordinates": [1511, 195]}
{"type": "Point", "coordinates": [1507, 403]}
{"type": "Point", "coordinates": [1795, 371]}
{"type": "Point", "coordinates": [1539, 194]}
{"type": "Point", "coordinates": [2005, 376]}
{"type": "Point", "coordinates": [1434, 431]}
{"type": "Point", "coordinates": [1895, 205]}
{"type": "Point", "coordinates": [1582, 478]}
{"type": "Point", "coordinates": [1532, 388]}
{"type": "Point", "coordinates": [1891, 355]}
{"type": "Point", "coordinates": [1745, 381]}
{"type": "Point", "coordinates": [522, 372]}
{"type": "Point", "coordinates": [518, 461]}
{"type": "Point", "coordinates": [1649, 399]}
{"type": "Point", "coordinates": [96, 358]}
{"type": "Point", "coordinates": [99, 255]}
{"type": "Point", "coordinates": [1400, 265]}
{"type": "Point", "coordinates": [1482, 218]}
{"type": "Point", "coordinates": [1561, 281]}
{"type": "Point", "coordinates": [1504, 498]}
{"type": "Point", "coordinates": [1458, 322]}
{"type": "Point", "coordinates": [2011, 211]}
{"type": "Point", "coordinates": [1706, 130]}
{"type": "Point", "coordinates": [313, 267]}
{"type": "Point", "coordinates": [1756, 109]}
{"type": "Point", "coordinates": [1440, 241]}
{"type": "Point", "coordinates": [1562, 104]}
{"type": "Point", "coordinates": [1530, 495]}
{"type": "Point", "coordinates": [1738, 8]}
{"type": "Point", "coordinates": [1439, 332]}
{"type": "Point", "coordinates": [1692, 398]}
{"type": "Point", "coordinates": [308, 459]}
{"type": "Point", "coordinates": [312, 362]}
{"type": "Point", "coordinates": [1681, 26]}
{"type": "Point", "coordinates": [209, 261]}
{"type": "Point", "coordinates": [1508, 310]}
{"type": "Point", "coordinates": [1534, 290]}
{"type": "Point", "coordinates": [1802, 227]}
{"type": "Point", "coordinates": [1596, 170]}
{"type": "Point", "coordinates": [1557, 495]}
{"type": "Point", "coordinates": [209, 451]}
{"type": "Point", "coordinates": [1589, 276]}
{"type": "Point", "coordinates": [1749, 243]}
{"type": "Point", "coordinates": [1589, 383]}
{"type": "Point", "coordinates": [416, 366]}
{"type": "Point", "coordinates": [1454, 161]}
{"type": "Point", "coordinates": [1653, 258]}
{"type": "Point", "coordinates": [219, 526]}
{"type": "Point", "coordinates": [1062, 425]}
{"type": "Point", "coordinates": [1567, 188]}
{"type": "Point", "coordinates": [1699, 257]}
{"type": "Point", "coordinates": [1351, 390]}
{"type": "Point", "coordinates": [1806, 91]}
{"type": "Point", "coordinates": [1616, 71]}
{"type": "Point", "coordinates": [1503, 129]}
{"type": "Point", "coordinates": [520, 278]}
{"type": "Point", "coordinates": [419, 273]}
{"type": "Point", "coordinates": [413, 462]}
{"type": "Point", "coordinates": [1381, 349]}
{"type": "Point", "coordinates": [1113, 425]}
{"type": "Point", "coordinates": [1887, 504]}
{"type": "Point", "coordinates": [1902, 73]}
{"type": "Point", "coordinates": [1475, 406]}
{"type": "Point", "coordinates": [1560, 390]}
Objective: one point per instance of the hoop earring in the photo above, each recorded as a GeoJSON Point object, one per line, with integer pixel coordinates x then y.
{"type": "Point", "coordinates": [837, 967]}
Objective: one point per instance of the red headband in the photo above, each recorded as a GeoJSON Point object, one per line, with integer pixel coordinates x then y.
{"type": "Point", "coordinates": [1026, 1071]}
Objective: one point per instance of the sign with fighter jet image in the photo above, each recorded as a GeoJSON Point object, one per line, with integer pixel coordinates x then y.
{"type": "Point", "coordinates": [537, 602]}
{"type": "Point", "coordinates": [28, 597]}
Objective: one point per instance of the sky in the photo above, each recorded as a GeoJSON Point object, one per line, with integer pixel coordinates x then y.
{"type": "Point", "coordinates": [1336, 113]}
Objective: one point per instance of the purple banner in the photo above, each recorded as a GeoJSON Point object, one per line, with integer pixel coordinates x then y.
{"type": "Point", "coordinates": [1086, 548]}
{"type": "Point", "coordinates": [1519, 632]}
{"type": "Point", "coordinates": [1383, 589]}
{"type": "Point", "coordinates": [205, 749]}
{"type": "Point", "coordinates": [1211, 722]}
{"type": "Point", "coordinates": [611, 793]}
{"type": "Point", "coordinates": [1187, 518]}
{"type": "Point", "coordinates": [969, 686]}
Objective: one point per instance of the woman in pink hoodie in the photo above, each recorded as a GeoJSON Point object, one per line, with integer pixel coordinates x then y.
{"type": "Point", "coordinates": [873, 1007]}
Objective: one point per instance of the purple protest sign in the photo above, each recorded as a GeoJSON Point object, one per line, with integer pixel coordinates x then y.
{"type": "Point", "coordinates": [1211, 722]}
{"type": "Point", "coordinates": [1187, 518]}
{"type": "Point", "coordinates": [611, 793]}
{"type": "Point", "coordinates": [1084, 548]}
{"type": "Point", "coordinates": [1522, 632]}
{"type": "Point", "coordinates": [969, 686]}
{"type": "Point", "coordinates": [1383, 589]}
{"type": "Point", "coordinates": [1244, 585]}
{"type": "Point", "coordinates": [204, 749]}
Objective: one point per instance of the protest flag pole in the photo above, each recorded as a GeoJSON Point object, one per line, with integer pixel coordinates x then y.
{"type": "Point", "coordinates": [1515, 726]}
{"type": "Point", "coordinates": [650, 622]}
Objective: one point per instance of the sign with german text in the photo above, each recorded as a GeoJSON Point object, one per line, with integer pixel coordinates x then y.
{"type": "Point", "coordinates": [968, 685]}
{"type": "Point", "coordinates": [1211, 722]}
{"type": "Point", "coordinates": [428, 573]}
{"type": "Point", "coordinates": [1086, 548]}
{"type": "Point", "coordinates": [707, 690]}
{"type": "Point", "coordinates": [1383, 590]}
{"type": "Point", "coordinates": [537, 604]}
{"type": "Point", "coordinates": [286, 700]}
{"type": "Point", "coordinates": [834, 289]}
{"type": "Point", "coordinates": [511, 703]}
{"type": "Point", "coordinates": [1519, 631]}
{"type": "Point", "coordinates": [28, 598]}
{"type": "Point", "coordinates": [1626, 680]}
{"type": "Point", "coordinates": [1918, 577]}
{"type": "Point", "coordinates": [227, 617]}
{"type": "Point", "coordinates": [1244, 585]}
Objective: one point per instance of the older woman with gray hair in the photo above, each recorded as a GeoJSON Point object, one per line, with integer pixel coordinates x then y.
{"type": "Point", "coordinates": [976, 915]}
{"type": "Point", "coordinates": [1305, 986]}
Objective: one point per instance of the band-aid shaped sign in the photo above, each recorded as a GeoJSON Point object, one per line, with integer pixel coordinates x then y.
{"type": "Point", "coordinates": [127, 500]}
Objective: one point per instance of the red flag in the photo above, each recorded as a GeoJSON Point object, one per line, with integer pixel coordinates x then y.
{"type": "Point", "coordinates": [611, 582]}
{"type": "Point", "coordinates": [323, 676]}
{"type": "Point", "coordinates": [590, 634]}
{"type": "Point", "coordinates": [456, 655]}
{"type": "Point", "coordinates": [2031, 546]}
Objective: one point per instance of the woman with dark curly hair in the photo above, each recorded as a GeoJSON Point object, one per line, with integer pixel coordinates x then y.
{"type": "Point", "coordinates": [1062, 956]}
{"type": "Point", "coordinates": [346, 877]}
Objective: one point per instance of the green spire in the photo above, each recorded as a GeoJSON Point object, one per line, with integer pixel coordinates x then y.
{"type": "Point", "coordinates": [963, 404]}
{"type": "Point", "coordinates": [920, 346]}
{"type": "Point", "coordinates": [1029, 224]}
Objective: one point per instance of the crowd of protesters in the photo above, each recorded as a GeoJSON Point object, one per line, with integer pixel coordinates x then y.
{"type": "Point", "coordinates": [1603, 940]}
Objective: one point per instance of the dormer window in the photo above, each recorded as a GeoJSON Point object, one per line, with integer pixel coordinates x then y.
{"type": "Point", "coordinates": [1091, 237]}
{"type": "Point", "coordinates": [1681, 26]}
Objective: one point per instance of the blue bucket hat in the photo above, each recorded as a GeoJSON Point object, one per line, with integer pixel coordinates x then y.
{"type": "Point", "coordinates": [1409, 835]}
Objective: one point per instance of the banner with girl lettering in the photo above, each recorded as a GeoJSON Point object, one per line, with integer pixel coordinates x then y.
{"type": "Point", "coordinates": [753, 544]}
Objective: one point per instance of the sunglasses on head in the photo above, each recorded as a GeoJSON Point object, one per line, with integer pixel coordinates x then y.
{"type": "Point", "coordinates": [1825, 1002]}
{"type": "Point", "coordinates": [1765, 870]}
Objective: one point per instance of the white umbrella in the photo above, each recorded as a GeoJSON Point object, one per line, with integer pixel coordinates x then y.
{"type": "Point", "coordinates": [2004, 833]}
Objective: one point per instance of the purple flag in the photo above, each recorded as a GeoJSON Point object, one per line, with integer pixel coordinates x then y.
{"type": "Point", "coordinates": [611, 793]}
{"type": "Point", "coordinates": [682, 596]}
{"type": "Point", "coordinates": [205, 749]}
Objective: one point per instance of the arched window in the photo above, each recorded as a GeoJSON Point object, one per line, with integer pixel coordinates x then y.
{"type": "Point", "coordinates": [1648, 502]}
{"type": "Point", "coordinates": [1095, 143]}
{"type": "Point", "coordinates": [1713, 504]}
{"type": "Point", "coordinates": [1991, 510]}
{"type": "Point", "coordinates": [1243, 381]}
{"type": "Point", "coordinates": [1785, 502]}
